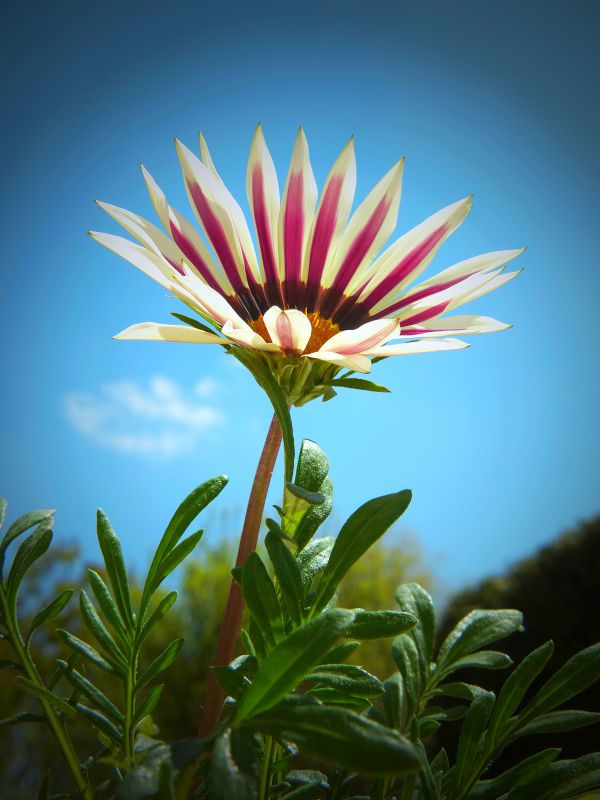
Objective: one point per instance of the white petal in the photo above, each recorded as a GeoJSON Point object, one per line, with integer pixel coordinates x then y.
{"type": "Point", "coordinates": [331, 215]}
{"type": "Point", "coordinates": [407, 257]}
{"type": "Point", "coordinates": [290, 329]}
{"type": "Point", "coordinates": [262, 189]}
{"type": "Point", "coordinates": [495, 282]}
{"type": "Point", "coordinates": [145, 260]}
{"type": "Point", "coordinates": [244, 335]}
{"type": "Point", "coordinates": [362, 339]}
{"type": "Point", "coordinates": [458, 325]}
{"type": "Point", "coordinates": [157, 332]}
{"type": "Point", "coordinates": [451, 297]}
{"type": "Point", "coordinates": [144, 231]}
{"type": "Point", "coordinates": [369, 228]}
{"type": "Point", "coordinates": [356, 363]}
{"type": "Point", "coordinates": [412, 348]}
{"type": "Point", "coordinates": [235, 211]}
{"type": "Point", "coordinates": [297, 211]}
{"type": "Point", "coordinates": [482, 263]}
{"type": "Point", "coordinates": [185, 234]}
{"type": "Point", "coordinates": [212, 211]}
{"type": "Point", "coordinates": [213, 304]}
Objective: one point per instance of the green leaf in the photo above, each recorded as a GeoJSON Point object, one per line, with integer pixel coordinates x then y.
{"type": "Point", "coordinates": [364, 527]}
{"type": "Point", "coordinates": [413, 598]}
{"type": "Point", "coordinates": [289, 662]}
{"type": "Point", "coordinates": [3, 509]}
{"type": "Point", "coordinates": [315, 516]}
{"type": "Point", "coordinates": [232, 681]}
{"type": "Point", "coordinates": [406, 656]}
{"type": "Point", "coordinates": [28, 553]}
{"type": "Point", "coordinates": [90, 691]}
{"type": "Point", "coordinates": [476, 631]}
{"type": "Point", "coordinates": [87, 651]}
{"type": "Point", "coordinates": [336, 697]}
{"type": "Point", "coordinates": [22, 524]}
{"type": "Point", "coordinates": [483, 659]}
{"type": "Point", "coordinates": [471, 736]}
{"type": "Point", "coordinates": [261, 598]}
{"type": "Point", "coordinates": [516, 685]}
{"type": "Point", "coordinates": [173, 560]}
{"type": "Point", "coordinates": [380, 624]}
{"type": "Point", "coordinates": [115, 566]}
{"type": "Point", "coordinates": [340, 736]}
{"type": "Point", "coordinates": [194, 323]}
{"type": "Point", "coordinates": [51, 611]}
{"type": "Point", "coordinates": [100, 722]}
{"type": "Point", "coordinates": [357, 383]}
{"type": "Point", "coordinates": [44, 694]}
{"type": "Point", "coordinates": [97, 628]}
{"type": "Point", "coordinates": [23, 716]}
{"type": "Point", "coordinates": [522, 774]}
{"type": "Point", "coordinates": [393, 700]}
{"type": "Point", "coordinates": [288, 576]}
{"type": "Point", "coordinates": [234, 767]}
{"type": "Point", "coordinates": [183, 517]}
{"type": "Point", "coordinates": [313, 559]}
{"type": "Point", "coordinates": [162, 662]}
{"type": "Point", "coordinates": [558, 721]}
{"type": "Point", "coordinates": [107, 605]}
{"type": "Point", "coordinates": [562, 780]}
{"type": "Point", "coordinates": [577, 674]}
{"type": "Point", "coordinates": [149, 704]}
{"type": "Point", "coordinates": [347, 678]}
{"type": "Point", "coordinates": [313, 466]}
{"type": "Point", "coordinates": [155, 617]}
{"type": "Point", "coordinates": [340, 653]}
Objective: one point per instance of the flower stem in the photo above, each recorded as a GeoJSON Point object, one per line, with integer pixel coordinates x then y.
{"type": "Point", "coordinates": [232, 618]}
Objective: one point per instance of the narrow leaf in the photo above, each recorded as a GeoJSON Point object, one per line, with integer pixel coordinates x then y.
{"type": "Point", "coordinates": [97, 628]}
{"type": "Point", "coordinates": [364, 527]}
{"type": "Point", "coordinates": [261, 598]}
{"type": "Point", "coordinates": [288, 576]}
{"type": "Point", "coordinates": [156, 616]}
{"type": "Point", "coordinates": [22, 524]}
{"type": "Point", "coordinates": [289, 662]}
{"type": "Point", "coordinates": [347, 678]}
{"type": "Point", "coordinates": [476, 631]}
{"type": "Point", "coordinates": [413, 598]}
{"type": "Point", "coordinates": [28, 553]}
{"type": "Point", "coordinates": [107, 605]}
{"type": "Point", "coordinates": [483, 659]}
{"type": "Point", "coordinates": [44, 694]}
{"type": "Point", "coordinates": [516, 685]}
{"type": "Point", "coordinates": [558, 722]}
{"type": "Point", "coordinates": [51, 611]}
{"type": "Point", "coordinates": [115, 566]}
{"type": "Point", "coordinates": [577, 674]}
{"type": "Point", "coordinates": [471, 734]}
{"type": "Point", "coordinates": [521, 774]}
{"type": "Point", "coordinates": [313, 466]}
{"type": "Point", "coordinates": [99, 721]}
{"type": "Point", "coordinates": [313, 559]}
{"type": "Point", "coordinates": [162, 662]}
{"type": "Point", "coordinates": [315, 516]}
{"type": "Point", "coordinates": [90, 691]}
{"type": "Point", "coordinates": [87, 651]}
{"type": "Point", "coordinates": [357, 383]}
{"type": "Point", "coordinates": [173, 560]}
{"type": "Point", "coordinates": [149, 704]}
{"type": "Point", "coordinates": [341, 736]}
{"type": "Point", "coordinates": [380, 624]}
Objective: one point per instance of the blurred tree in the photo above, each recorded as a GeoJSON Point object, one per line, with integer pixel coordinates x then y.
{"type": "Point", "coordinates": [558, 591]}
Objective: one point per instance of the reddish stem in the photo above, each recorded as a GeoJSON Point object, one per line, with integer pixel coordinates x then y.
{"type": "Point", "coordinates": [232, 619]}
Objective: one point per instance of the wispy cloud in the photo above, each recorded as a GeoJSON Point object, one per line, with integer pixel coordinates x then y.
{"type": "Point", "coordinates": [158, 419]}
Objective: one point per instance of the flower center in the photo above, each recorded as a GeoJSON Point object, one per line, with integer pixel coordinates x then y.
{"type": "Point", "coordinates": [322, 330]}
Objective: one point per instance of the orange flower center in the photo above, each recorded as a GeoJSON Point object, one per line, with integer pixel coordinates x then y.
{"type": "Point", "coordinates": [322, 330]}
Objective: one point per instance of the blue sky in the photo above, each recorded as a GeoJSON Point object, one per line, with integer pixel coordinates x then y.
{"type": "Point", "coordinates": [499, 443]}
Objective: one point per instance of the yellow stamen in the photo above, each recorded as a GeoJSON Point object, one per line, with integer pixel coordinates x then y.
{"type": "Point", "coordinates": [322, 330]}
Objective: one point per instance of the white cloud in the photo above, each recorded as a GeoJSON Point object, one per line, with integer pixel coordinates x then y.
{"type": "Point", "coordinates": [158, 419]}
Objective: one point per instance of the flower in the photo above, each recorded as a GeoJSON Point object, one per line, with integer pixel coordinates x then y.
{"type": "Point", "coordinates": [321, 292]}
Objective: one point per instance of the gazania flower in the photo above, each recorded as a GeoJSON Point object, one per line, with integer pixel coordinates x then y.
{"type": "Point", "coordinates": [320, 292]}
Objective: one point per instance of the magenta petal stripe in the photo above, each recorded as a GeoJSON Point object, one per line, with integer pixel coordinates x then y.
{"type": "Point", "coordinates": [265, 239]}
{"type": "Point", "coordinates": [405, 267]}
